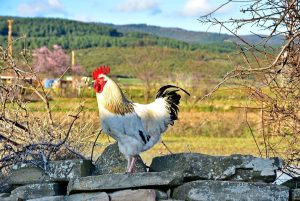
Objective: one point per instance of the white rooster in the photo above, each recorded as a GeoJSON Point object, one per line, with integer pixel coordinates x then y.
{"type": "Point", "coordinates": [136, 127]}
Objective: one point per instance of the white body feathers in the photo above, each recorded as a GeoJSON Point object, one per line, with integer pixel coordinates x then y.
{"type": "Point", "coordinates": [136, 127]}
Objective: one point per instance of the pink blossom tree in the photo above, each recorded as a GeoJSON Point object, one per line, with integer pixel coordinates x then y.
{"type": "Point", "coordinates": [49, 62]}
{"type": "Point", "coordinates": [54, 62]}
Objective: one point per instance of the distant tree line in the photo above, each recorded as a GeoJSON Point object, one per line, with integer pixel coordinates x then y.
{"type": "Point", "coordinates": [78, 35]}
{"type": "Point", "coordinates": [175, 33]}
{"type": "Point", "coordinates": [47, 27]}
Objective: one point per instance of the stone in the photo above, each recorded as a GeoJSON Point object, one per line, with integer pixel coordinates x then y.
{"type": "Point", "coordinates": [161, 195]}
{"type": "Point", "coordinates": [133, 195]}
{"type": "Point", "coordinates": [205, 167]}
{"type": "Point", "coordinates": [57, 171]}
{"type": "Point", "coordinates": [169, 192]}
{"type": "Point", "coordinates": [292, 183]}
{"type": "Point", "coordinates": [170, 200]}
{"type": "Point", "coordinates": [125, 181]}
{"type": "Point", "coordinates": [4, 195]}
{"type": "Point", "coordinates": [295, 194]}
{"type": "Point", "coordinates": [7, 188]}
{"type": "Point", "coordinates": [98, 196]}
{"type": "Point", "coordinates": [11, 199]}
{"type": "Point", "coordinates": [231, 191]}
{"type": "Point", "coordinates": [113, 161]}
{"type": "Point", "coordinates": [32, 191]}
{"type": "Point", "coordinates": [50, 198]}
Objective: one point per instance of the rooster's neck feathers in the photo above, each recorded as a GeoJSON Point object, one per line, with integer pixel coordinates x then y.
{"type": "Point", "coordinates": [113, 99]}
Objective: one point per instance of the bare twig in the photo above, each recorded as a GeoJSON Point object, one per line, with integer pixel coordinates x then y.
{"type": "Point", "coordinates": [252, 134]}
{"type": "Point", "coordinates": [166, 147]}
{"type": "Point", "coordinates": [94, 144]}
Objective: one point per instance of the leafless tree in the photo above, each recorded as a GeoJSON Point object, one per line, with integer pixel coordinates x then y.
{"type": "Point", "coordinates": [147, 69]}
{"type": "Point", "coordinates": [271, 75]}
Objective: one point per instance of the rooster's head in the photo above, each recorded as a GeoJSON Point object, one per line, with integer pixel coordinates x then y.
{"type": "Point", "coordinates": [99, 75]}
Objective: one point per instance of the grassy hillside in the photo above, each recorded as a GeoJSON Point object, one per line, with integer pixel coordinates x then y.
{"type": "Point", "coordinates": [130, 61]}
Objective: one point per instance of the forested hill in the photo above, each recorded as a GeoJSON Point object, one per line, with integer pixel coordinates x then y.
{"type": "Point", "coordinates": [174, 33]}
{"type": "Point", "coordinates": [195, 37]}
{"type": "Point", "coordinates": [43, 27]}
{"type": "Point", "coordinates": [78, 35]}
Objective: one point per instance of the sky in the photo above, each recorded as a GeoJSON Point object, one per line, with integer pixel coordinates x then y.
{"type": "Point", "coordinates": [166, 13]}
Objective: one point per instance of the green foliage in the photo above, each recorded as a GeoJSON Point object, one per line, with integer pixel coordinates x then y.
{"type": "Point", "coordinates": [78, 35]}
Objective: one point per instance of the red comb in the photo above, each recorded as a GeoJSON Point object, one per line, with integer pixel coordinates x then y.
{"type": "Point", "coordinates": [101, 70]}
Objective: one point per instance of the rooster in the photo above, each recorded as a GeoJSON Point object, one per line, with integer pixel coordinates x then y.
{"type": "Point", "coordinates": [136, 127]}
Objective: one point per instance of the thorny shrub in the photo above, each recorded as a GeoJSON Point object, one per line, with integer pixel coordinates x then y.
{"type": "Point", "coordinates": [35, 137]}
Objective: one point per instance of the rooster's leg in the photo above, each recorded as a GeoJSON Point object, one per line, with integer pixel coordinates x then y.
{"type": "Point", "coordinates": [132, 164]}
{"type": "Point", "coordinates": [128, 163]}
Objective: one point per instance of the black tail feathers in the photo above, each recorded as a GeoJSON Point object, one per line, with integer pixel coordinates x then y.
{"type": "Point", "coordinates": [169, 92]}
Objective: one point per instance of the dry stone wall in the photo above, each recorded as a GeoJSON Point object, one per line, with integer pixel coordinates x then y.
{"type": "Point", "coordinates": [184, 176]}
